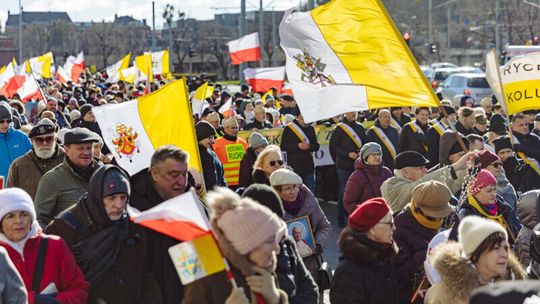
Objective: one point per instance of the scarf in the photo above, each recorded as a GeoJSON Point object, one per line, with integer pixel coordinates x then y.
{"type": "Point", "coordinates": [420, 218]}
{"type": "Point", "coordinates": [294, 207]}
{"type": "Point", "coordinates": [84, 173]}
{"type": "Point", "coordinates": [474, 203]}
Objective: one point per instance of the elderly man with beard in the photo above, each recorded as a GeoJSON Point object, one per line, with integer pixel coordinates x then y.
{"type": "Point", "coordinates": [46, 154]}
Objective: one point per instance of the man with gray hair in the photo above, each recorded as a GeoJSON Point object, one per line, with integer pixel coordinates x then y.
{"type": "Point", "coordinates": [386, 136]}
{"type": "Point", "coordinates": [26, 171]}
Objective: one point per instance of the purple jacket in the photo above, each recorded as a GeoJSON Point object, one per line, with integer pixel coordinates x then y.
{"type": "Point", "coordinates": [364, 183]}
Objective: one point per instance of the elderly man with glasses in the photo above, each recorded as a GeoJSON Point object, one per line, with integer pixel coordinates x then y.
{"type": "Point", "coordinates": [14, 143]}
{"type": "Point", "coordinates": [26, 171]}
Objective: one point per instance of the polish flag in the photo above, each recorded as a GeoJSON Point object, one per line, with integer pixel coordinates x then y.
{"type": "Point", "coordinates": [227, 109]}
{"type": "Point", "coordinates": [286, 89]}
{"type": "Point", "coordinates": [30, 90]}
{"type": "Point", "coordinates": [62, 75]}
{"type": "Point", "coordinates": [245, 49]}
{"type": "Point", "coordinates": [74, 67]}
{"type": "Point", "coordinates": [12, 79]}
{"type": "Point", "coordinates": [263, 79]}
{"type": "Point", "coordinates": [181, 217]}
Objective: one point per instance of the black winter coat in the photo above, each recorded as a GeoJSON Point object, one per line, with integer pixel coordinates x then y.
{"type": "Point", "coordinates": [341, 144]}
{"type": "Point", "coordinates": [393, 135]}
{"type": "Point", "coordinates": [258, 125]}
{"type": "Point", "coordinates": [413, 141]}
{"type": "Point", "coordinates": [246, 168]}
{"type": "Point", "coordinates": [464, 131]}
{"type": "Point", "coordinates": [528, 144]}
{"type": "Point", "coordinates": [432, 139]}
{"type": "Point", "coordinates": [301, 161]}
{"type": "Point", "coordinates": [521, 175]}
{"type": "Point", "coordinates": [212, 171]}
{"type": "Point", "coordinates": [365, 273]}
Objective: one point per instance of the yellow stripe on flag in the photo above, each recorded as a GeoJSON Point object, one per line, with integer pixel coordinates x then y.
{"type": "Point", "coordinates": [166, 117]}
{"type": "Point", "coordinates": [144, 65]}
{"type": "Point", "coordinates": [203, 91]}
{"type": "Point", "coordinates": [366, 41]}
{"type": "Point", "coordinates": [209, 254]}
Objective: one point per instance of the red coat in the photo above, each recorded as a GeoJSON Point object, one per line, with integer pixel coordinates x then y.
{"type": "Point", "coordinates": [60, 269]}
{"type": "Point", "coordinates": [358, 189]}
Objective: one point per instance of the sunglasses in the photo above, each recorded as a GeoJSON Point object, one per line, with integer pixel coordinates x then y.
{"type": "Point", "coordinates": [274, 162]}
{"type": "Point", "coordinates": [496, 164]}
{"type": "Point", "coordinates": [5, 121]}
{"type": "Point", "coordinates": [43, 140]}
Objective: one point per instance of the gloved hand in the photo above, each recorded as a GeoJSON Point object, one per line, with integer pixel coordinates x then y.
{"type": "Point", "coordinates": [264, 284]}
{"type": "Point", "coordinates": [46, 298]}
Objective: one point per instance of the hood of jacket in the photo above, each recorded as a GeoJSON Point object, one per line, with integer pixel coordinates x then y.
{"type": "Point", "coordinates": [358, 249]}
{"type": "Point", "coordinates": [458, 277]}
{"type": "Point", "coordinates": [526, 208]}
{"type": "Point", "coordinates": [447, 140]}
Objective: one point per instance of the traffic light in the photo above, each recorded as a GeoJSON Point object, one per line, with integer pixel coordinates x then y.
{"type": "Point", "coordinates": [407, 38]}
{"type": "Point", "coordinates": [191, 52]}
{"type": "Point", "coordinates": [433, 48]}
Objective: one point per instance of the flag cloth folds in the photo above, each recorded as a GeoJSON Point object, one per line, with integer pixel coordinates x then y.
{"type": "Point", "coordinates": [113, 71]}
{"type": "Point", "coordinates": [30, 90]}
{"type": "Point", "coordinates": [262, 79]}
{"type": "Point", "coordinates": [74, 67]}
{"type": "Point", "coordinates": [516, 83]}
{"type": "Point", "coordinates": [40, 66]}
{"type": "Point", "coordinates": [144, 65]}
{"type": "Point", "coordinates": [160, 62]}
{"type": "Point", "coordinates": [62, 75]}
{"type": "Point", "coordinates": [133, 130]}
{"type": "Point", "coordinates": [245, 49]}
{"type": "Point", "coordinates": [130, 74]}
{"type": "Point", "coordinates": [198, 101]}
{"type": "Point", "coordinates": [348, 56]}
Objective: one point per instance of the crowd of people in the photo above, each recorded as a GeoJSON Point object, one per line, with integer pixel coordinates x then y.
{"type": "Point", "coordinates": [428, 212]}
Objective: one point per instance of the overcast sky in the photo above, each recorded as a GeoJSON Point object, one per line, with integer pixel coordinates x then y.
{"type": "Point", "coordinates": [97, 10]}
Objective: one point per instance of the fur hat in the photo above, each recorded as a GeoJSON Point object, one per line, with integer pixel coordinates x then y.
{"type": "Point", "coordinates": [245, 224]}
{"type": "Point", "coordinates": [284, 176]}
{"type": "Point", "coordinates": [473, 230]}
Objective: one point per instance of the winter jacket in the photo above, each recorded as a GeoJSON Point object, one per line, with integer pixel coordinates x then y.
{"type": "Point", "coordinates": [392, 134]}
{"type": "Point", "coordinates": [255, 124]}
{"type": "Point", "coordinates": [13, 144]}
{"type": "Point", "coordinates": [412, 239]}
{"type": "Point", "coordinates": [143, 197]}
{"type": "Point", "coordinates": [246, 168]}
{"type": "Point", "coordinates": [506, 191]}
{"type": "Point", "coordinates": [402, 120]}
{"type": "Point", "coordinates": [300, 160]}
{"type": "Point", "coordinates": [364, 183]}
{"type": "Point", "coordinates": [26, 171]}
{"type": "Point", "coordinates": [366, 273]}
{"type": "Point", "coordinates": [528, 144]}
{"type": "Point", "coordinates": [319, 223]}
{"type": "Point", "coordinates": [521, 175]}
{"type": "Point", "coordinates": [212, 169]}
{"type": "Point", "coordinates": [12, 289]}
{"type": "Point", "coordinates": [397, 190]}
{"type": "Point", "coordinates": [341, 144]}
{"type": "Point", "coordinates": [409, 140]}
{"type": "Point", "coordinates": [526, 210]}
{"type": "Point", "coordinates": [59, 269]}
{"type": "Point", "coordinates": [432, 138]}
{"type": "Point", "coordinates": [458, 278]}
{"type": "Point", "coordinates": [59, 189]}
{"type": "Point", "coordinates": [292, 275]}
{"type": "Point", "coordinates": [464, 131]}
{"type": "Point", "coordinates": [509, 215]}
{"type": "Point", "coordinates": [259, 177]}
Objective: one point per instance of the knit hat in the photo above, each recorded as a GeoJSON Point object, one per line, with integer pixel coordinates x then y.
{"type": "Point", "coordinates": [473, 230]}
{"type": "Point", "coordinates": [502, 142]}
{"type": "Point", "coordinates": [284, 176]}
{"type": "Point", "coordinates": [44, 126]}
{"type": "Point", "coordinates": [449, 110]}
{"type": "Point", "coordinates": [85, 109]}
{"type": "Point", "coordinates": [256, 140]}
{"type": "Point", "coordinates": [74, 114]}
{"type": "Point", "coordinates": [368, 214]}
{"type": "Point", "coordinates": [497, 124]}
{"type": "Point", "coordinates": [245, 224]}
{"type": "Point", "coordinates": [5, 111]}
{"type": "Point", "coordinates": [114, 182]}
{"type": "Point", "coordinates": [483, 179]}
{"type": "Point", "coordinates": [266, 196]}
{"type": "Point", "coordinates": [230, 122]}
{"type": "Point", "coordinates": [369, 148]}
{"type": "Point", "coordinates": [12, 199]}
{"type": "Point", "coordinates": [204, 129]}
{"type": "Point", "coordinates": [487, 158]}
{"type": "Point", "coordinates": [410, 159]}
{"type": "Point", "coordinates": [433, 198]}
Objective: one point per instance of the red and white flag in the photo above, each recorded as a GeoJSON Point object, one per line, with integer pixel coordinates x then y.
{"type": "Point", "coordinates": [286, 89]}
{"type": "Point", "coordinates": [13, 79]}
{"type": "Point", "coordinates": [181, 217]}
{"type": "Point", "coordinates": [62, 75]}
{"type": "Point", "coordinates": [263, 79]}
{"type": "Point", "coordinates": [245, 49]}
{"type": "Point", "coordinates": [74, 67]}
{"type": "Point", "coordinates": [30, 90]}
{"type": "Point", "coordinates": [227, 109]}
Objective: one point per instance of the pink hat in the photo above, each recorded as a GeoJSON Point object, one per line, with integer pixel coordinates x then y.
{"type": "Point", "coordinates": [244, 223]}
{"type": "Point", "coordinates": [483, 179]}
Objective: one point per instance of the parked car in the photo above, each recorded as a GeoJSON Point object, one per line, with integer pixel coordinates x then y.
{"type": "Point", "coordinates": [437, 65]}
{"type": "Point", "coordinates": [457, 84]}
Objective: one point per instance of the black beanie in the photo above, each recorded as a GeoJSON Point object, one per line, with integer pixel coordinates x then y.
{"type": "Point", "coordinates": [5, 111]}
{"type": "Point", "coordinates": [502, 142]}
{"type": "Point", "coordinates": [114, 182]}
{"type": "Point", "coordinates": [266, 196]}
{"type": "Point", "coordinates": [456, 147]}
{"type": "Point", "coordinates": [204, 130]}
{"type": "Point", "coordinates": [497, 124]}
{"type": "Point", "coordinates": [449, 110]}
{"type": "Point", "coordinates": [85, 109]}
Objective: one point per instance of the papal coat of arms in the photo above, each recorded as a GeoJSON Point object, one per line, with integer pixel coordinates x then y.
{"type": "Point", "coordinates": [312, 70]}
{"type": "Point", "coordinates": [125, 142]}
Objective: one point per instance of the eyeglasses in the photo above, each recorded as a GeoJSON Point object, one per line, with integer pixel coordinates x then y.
{"type": "Point", "coordinates": [43, 140]}
{"type": "Point", "coordinates": [5, 121]}
{"type": "Point", "coordinates": [274, 162]}
{"type": "Point", "coordinates": [289, 189]}
{"type": "Point", "coordinates": [496, 164]}
{"type": "Point", "coordinates": [391, 223]}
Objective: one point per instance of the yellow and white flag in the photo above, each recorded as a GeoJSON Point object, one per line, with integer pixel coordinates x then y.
{"type": "Point", "coordinates": [113, 71]}
{"type": "Point", "coordinates": [198, 101]}
{"type": "Point", "coordinates": [516, 84]}
{"type": "Point", "coordinates": [40, 66]}
{"type": "Point", "coordinates": [144, 65]}
{"type": "Point", "coordinates": [133, 130]}
{"type": "Point", "coordinates": [160, 62]}
{"type": "Point", "coordinates": [348, 56]}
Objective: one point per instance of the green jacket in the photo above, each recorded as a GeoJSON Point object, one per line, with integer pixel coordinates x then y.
{"type": "Point", "coordinates": [58, 189]}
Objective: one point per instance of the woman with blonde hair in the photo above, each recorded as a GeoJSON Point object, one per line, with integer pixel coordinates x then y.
{"type": "Point", "coordinates": [268, 161]}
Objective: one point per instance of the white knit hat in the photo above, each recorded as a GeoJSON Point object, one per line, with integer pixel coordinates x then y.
{"type": "Point", "coordinates": [284, 176]}
{"type": "Point", "coordinates": [473, 230]}
{"type": "Point", "coordinates": [12, 199]}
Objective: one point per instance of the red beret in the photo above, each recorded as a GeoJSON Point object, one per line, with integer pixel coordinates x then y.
{"type": "Point", "coordinates": [368, 214]}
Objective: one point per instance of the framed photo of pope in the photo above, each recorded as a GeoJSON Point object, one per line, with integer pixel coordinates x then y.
{"type": "Point", "coordinates": [300, 230]}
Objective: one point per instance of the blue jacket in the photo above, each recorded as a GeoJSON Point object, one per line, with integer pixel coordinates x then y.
{"type": "Point", "coordinates": [13, 144]}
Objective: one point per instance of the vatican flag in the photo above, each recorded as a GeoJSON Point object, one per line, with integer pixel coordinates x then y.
{"type": "Point", "coordinates": [144, 65]}
{"type": "Point", "coordinates": [160, 62]}
{"type": "Point", "coordinates": [133, 130]}
{"type": "Point", "coordinates": [348, 56]}
{"type": "Point", "coordinates": [113, 71]}
{"type": "Point", "coordinates": [40, 66]}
